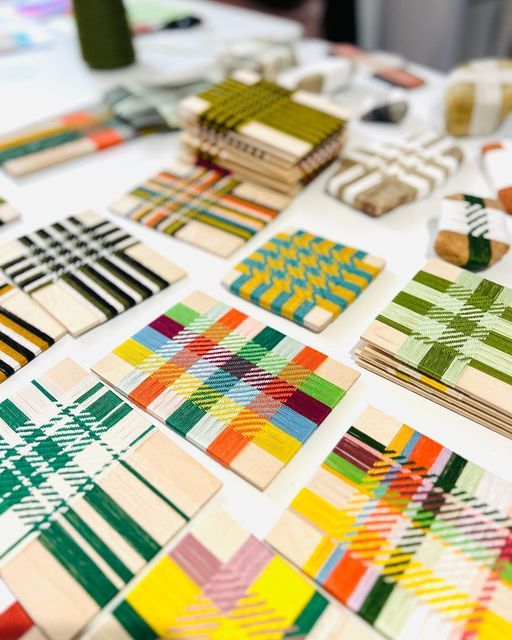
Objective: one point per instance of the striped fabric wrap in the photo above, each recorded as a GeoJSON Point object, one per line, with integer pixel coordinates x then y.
{"type": "Point", "coordinates": [497, 163]}
{"type": "Point", "coordinates": [15, 623]}
{"type": "Point", "coordinates": [262, 132]}
{"type": "Point", "coordinates": [243, 392]}
{"type": "Point", "coordinates": [472, 231]}
{"type": "Point", "coordinates": [84, 270]}
{"type": "Point", "coordinates": [222, 582]}
{"type": "Point", "coordinates": [91, 491]}
{"type": "Point", "coordinates": [478, 97]}
{"type": "Point", "coordinates": [451, 330]}
{"type": "Point", "coordinates": [304, 277]}
{"type": "Point", "coordinates": [411, 536]}
{"type": "Point", "coordinates": [7, 212]}
{"type": "Point", "coordinates": [26, 330]}
{"type": "Point", "coordinates": [382, 176]}
{"type": "Point", "coordinates": [204, 206]}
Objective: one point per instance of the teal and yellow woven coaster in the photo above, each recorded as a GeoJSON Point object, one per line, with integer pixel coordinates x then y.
{"type": "Point", "coordinates": [303, 277]}
{"type": "Point", "coordinates": [448, 335]}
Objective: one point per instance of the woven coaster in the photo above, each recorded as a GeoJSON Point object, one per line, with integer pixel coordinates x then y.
{"type": "Point", "coordinates": [84, 270]}
{"type": "Point", "coordinates": [478, 97]}
{"type": "Point", "coordinates": [448, 335]}
{"type": "Point", "coordinates": [15, 623]}
{"type": "Point", "coordinates": [411, 536]}
{"type": "Point", "coordinates": [203, 206]}
{"type": "Point", "coordinates": [304, 277]}
{"type": "Point", "coordinates": [91, 492]}
{"type": "Point", "coordinates": [497, 163]}
{"type": "Point", "coordinates": [7, 212]}
{"type": "Point", "coordinates": [263, 132]}
{"type": "Point", "coordinates": [222, 582]}
{"type": "Point", "coordinates": [26, 329]}
{"type": "Point", "coordinates": [245, 393]}
{"type": "Point", "coordinates": [380, 177]}
{"type": "Point", "coordinates": [472, 232]}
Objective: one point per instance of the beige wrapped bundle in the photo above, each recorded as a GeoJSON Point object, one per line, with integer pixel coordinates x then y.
{"type": "Point", "coordinates": [478, 97]}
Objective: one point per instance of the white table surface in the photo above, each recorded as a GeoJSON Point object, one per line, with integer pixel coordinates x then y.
{"type": "Point", "coordinates": [45, 82]}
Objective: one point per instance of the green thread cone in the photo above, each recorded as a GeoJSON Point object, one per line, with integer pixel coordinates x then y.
{"type": "Point", "coordinates": [104, 33]}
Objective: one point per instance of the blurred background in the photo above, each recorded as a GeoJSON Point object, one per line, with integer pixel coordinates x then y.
{"type": "Point", "coordinates": [437, 33]}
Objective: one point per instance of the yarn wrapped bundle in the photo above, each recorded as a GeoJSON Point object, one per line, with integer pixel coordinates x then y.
{"type": "Point", "coordinates": [104, 33]}
{"type": "Point", "coordinates": [472, 232]}
{"type": "Point", "coordinates": [478, 97]}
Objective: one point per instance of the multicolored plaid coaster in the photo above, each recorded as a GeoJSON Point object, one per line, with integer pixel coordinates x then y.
{"type": "Point", "coordinates": [263, 132]}
{"type": "Point", "coordinates": [203, 206]}
{"type": "Point", "coordinates": [91, 491]}
{"type": "Point", "coordinates": [222, 582]}
{"type": "Point", "coordinates": [304, 277]}
{"type": "Point", "coordinates": [245, 393]}
{"type": "Point", "coordinates": [26, 330]}
{"type": "Point", "coordinates": [448, 335]}
{"type": "Point", "coordinates": [84, 270]}
{"type": "Point", "coordinates": [15, 623]}
{"type": "Point", "coordinates": [408, 534]}
{"type": "Point", "coordinates": [380, 177]}
{"type": "Point", "coordinates": [7, 212]}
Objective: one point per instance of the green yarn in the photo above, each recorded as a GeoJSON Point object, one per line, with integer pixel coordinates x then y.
{"type": "Point", "coordinates": [104, 33]}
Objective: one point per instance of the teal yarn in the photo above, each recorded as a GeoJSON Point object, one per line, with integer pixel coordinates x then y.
{"type": "Point", "coordinates": [104, 33]}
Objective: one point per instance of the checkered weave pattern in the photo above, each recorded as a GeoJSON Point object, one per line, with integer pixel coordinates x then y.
{"type": "Point", "coordinates": [450, 325]}
{"type": "Point", "coordinates": [245, 393]}
{"type": "Point", "coordinates": [46, 437]}
{"type": "Point", "coordinates": [304, 277]}
{"type": "Point", "coordinates": [411, 536]}
{"type": "Point", "coordinates": [191, 203]}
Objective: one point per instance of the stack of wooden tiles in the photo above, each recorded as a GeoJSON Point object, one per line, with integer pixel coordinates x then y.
{"type": "Point", "coordinates": [262, 132]}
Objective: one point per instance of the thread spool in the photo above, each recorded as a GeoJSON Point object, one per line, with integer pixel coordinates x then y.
{"type": "Point", "coordinates": [104, 33]}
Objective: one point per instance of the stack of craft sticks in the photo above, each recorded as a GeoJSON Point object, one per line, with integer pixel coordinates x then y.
{"type": "Point", "coordinates": [278, 138]}
{"type": "Point", "coordinates": [448, 337]}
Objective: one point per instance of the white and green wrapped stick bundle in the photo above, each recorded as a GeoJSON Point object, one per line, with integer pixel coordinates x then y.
{"type": "Point", "coordinates": [472, 232]}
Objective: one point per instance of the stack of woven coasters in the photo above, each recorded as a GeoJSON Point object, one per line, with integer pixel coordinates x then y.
{"type": "Point", "coordinates": [478, 97]}
{"type": "Point", "coordinates": [380, 177]}
{"type": "Point", "coordinates": [497, 161]}
{"type": "Point", "coordinates": [472, 232]}
{"type": "Point", "coordinates": [262, 132]}
{"type": "Point", "coordinates": [448, 337]}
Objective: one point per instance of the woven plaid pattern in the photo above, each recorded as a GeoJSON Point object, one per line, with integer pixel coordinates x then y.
{"type": "Point", "coordinates": [85, 270]}
{"type": "Point", "coordinates": [46, 437]}
{"type": "Point", "coordinates": [228, 586]}
{"type": "Point", "coordinates": [245, 393]}
{"type": "Point", "coordinates": [92, 490]}
{"type": "Point", "coordinates": [7, 212]}
{"type": "Point", "coordinates": [453, 324]}
{"type": "Point", "coordinates": [304, 277]}
{"type": "Point", "coordinates": [411, 536]}
{"type": "Point", "coordinates": [200, 205]}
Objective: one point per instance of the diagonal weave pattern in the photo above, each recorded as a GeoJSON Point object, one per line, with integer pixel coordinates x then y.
{"type": "Point", "coordinates": [411, 536]}
{"type": "Point", "coordinates": [304, 277]}
{"type": "Point", "coordinates": [245, 393]}
{"type": "Point", "coordinates": [226, 586]}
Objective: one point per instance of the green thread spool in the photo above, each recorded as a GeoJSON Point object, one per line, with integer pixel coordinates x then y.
{"type": "Point", "coordinates": [104, 33]}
